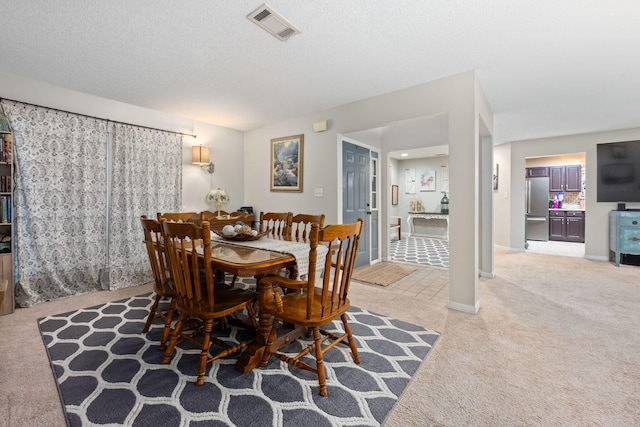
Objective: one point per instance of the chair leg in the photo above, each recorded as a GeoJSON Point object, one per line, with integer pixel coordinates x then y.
{"type": "Point", "coordinates": [352, 342]}
{"type": "Point", "coordinates": [152, 314]}
{"type": "Point", "coordinates": [174, 339]}
{"type": "Point", "coordinates": [267, 347]}
{"type": "Point", "coordinates": [167, 324]}
{"type": "Point", "coordinates": [322, 381]}
{"type": "Point", "coordinates": [204, 353]}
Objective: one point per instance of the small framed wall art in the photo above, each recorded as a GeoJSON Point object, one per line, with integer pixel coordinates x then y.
{"type": "Point", "coordinates": [427, 180]}
{"type": "Point", "coordinates": [286, 163]}
{"type": "Point", "coordinates": [410, 181]}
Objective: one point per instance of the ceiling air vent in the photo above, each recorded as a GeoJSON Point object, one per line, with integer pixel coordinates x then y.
{"type": "Point", "coordinates": [273, 23]}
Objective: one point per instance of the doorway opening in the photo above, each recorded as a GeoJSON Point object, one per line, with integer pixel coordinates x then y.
{"type": "Point", "coordinates": [555, 205]}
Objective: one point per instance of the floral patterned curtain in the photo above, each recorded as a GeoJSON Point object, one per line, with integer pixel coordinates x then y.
{"type": "Point", "coordinates": [147, 178]}
{"type": "Point", "coordinates": [75, 234]}
{"type": "Point", "coordinates": [60, 203]}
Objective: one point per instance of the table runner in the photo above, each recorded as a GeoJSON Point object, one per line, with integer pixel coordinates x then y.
{"type": "Point", "coordinates": [299, 250]}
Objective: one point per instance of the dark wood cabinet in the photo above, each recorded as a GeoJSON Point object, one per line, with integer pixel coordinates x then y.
{"type": "Point", "coordinates": [565, 178]}
{"type": "Point", "coordinates": [566, 226]}
{"type": "Point", "coordinates": [575, 226]}
{"type": "Point", "coordinates": [556, 178]}
{"type": "Point", "coordinates": [537, 172]}
{"type": "Point", "coordinates": [557, 229]}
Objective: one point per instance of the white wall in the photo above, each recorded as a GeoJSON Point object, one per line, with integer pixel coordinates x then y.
{"type": "Point", "coordinates": [502, 196]}
{"type": "Point", "coordinates": [596, 221]}
{"type": "Point", "coordinates": [227, 148]}
{"type": "Point", "coordinates": [430, 199]}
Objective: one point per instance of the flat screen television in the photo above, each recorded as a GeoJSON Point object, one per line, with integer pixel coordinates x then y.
{"type": "Point", "coordinates": [618, 177]}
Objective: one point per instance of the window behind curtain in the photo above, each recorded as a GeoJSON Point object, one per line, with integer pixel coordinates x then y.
{"type": "Point", "coordinates": [61, 204]}
{"type": "Point", "coordinates": [147, 178]}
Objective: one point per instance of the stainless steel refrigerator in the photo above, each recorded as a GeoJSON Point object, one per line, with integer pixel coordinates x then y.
{"type": "Point", "coordinates": [537, 210]}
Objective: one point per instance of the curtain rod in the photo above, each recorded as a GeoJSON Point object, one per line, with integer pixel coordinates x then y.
{"type": "Point", "coordinates": [97, 118]}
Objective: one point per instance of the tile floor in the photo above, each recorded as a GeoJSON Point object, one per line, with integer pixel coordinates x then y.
{"type": "Point", "coordinates": [420, 250]}
{"type": "Point", "coordinates": [431, 257]}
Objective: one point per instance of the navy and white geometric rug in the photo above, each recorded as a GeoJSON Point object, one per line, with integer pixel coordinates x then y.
{"type": "Point", "coordinates": [109, 373]}
{"type": "Point", "coordinates": [420, 250]}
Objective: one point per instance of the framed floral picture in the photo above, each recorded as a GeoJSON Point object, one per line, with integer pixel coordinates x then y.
{"type": "Point", "coordinates": [427, 180]}
{"type": "Point", "coordinates": [286, 163]}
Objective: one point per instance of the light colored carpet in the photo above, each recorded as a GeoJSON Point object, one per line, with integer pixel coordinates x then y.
{"type": "Point", "coordinates": [556, 342]}
{"type": "Point", "coordinates": [382, 273]}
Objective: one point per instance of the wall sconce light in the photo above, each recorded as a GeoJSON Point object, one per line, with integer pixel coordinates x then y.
{"type": "Point", "coordinates": [201, 156]}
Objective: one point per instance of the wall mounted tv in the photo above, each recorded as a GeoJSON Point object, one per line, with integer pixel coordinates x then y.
{"type": "Point", "coordinates": [618, 177]}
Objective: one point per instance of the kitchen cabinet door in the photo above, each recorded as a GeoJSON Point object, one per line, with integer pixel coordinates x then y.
{"type": "Point", "coordinates": [573, 178]}
{"type": "Point", "coordinates": [574, 226]}
{"type": "Point", "coordinates": [557, 229]}
{"type": "Point", "coordinates": [556, 178]}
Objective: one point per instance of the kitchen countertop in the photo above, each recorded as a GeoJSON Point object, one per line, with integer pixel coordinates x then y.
{"type": "Point", "coordinates": [568, 208]}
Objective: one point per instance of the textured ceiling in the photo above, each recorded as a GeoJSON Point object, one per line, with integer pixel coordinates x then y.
{"type": "Point", "coordinates": [548, 67]}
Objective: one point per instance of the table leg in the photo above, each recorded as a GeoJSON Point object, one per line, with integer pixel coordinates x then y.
{"type": "Point", "coordinates": [252, 355]}
{"type": "Point", "coordinates": [410, 223]}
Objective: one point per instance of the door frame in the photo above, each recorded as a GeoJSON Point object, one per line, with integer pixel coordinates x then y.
{"type": "Point", "coordinates": [340, 138]}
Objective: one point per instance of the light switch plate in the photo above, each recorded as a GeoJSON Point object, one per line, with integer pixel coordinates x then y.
{"type": "Point", "coordinates": [318, 192]}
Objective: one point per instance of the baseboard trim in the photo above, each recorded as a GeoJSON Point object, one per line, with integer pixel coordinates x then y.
{"type": "Point", "coordinates": [470, 309]}
{"type": "Point", "coordinates": [596, 258]}
{"type": "Point", "coordinates": [487, 275]}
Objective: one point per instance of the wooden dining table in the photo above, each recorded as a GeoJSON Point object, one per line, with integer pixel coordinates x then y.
{"type": "Point", "coordinates": [247, 261]}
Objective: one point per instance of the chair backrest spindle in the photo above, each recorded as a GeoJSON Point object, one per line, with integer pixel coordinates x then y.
{"type": "Point", "coordinates": [300, 226]}
{"type": "Point", "coordinates": [277, 223]}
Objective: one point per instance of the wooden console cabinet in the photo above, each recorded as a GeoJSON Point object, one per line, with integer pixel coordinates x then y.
{"type": "Point", "coordinates": [624, 234]}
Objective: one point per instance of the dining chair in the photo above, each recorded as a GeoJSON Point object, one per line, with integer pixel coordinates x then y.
{"type": "Point", "coordinates": [300, 226]}
{"type": "Point", "coordinates": [197, 297]}
{"type": "Point", "coordinates": [396, 225]}
{"type": "Point", "coordinates": [226, 218]}
{"type": "Point", "coordinates": [276, 223]}
{"type": "Point", "coordinates": [179, 216]}
{"type": "Point", "coordinates": [208, 215]}
{"type": "Point", "coordinates": [314, 306]}
{"type": "Point", "coordinates": [162, 283]}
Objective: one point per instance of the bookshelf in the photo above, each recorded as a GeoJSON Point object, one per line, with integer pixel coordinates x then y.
{"type": "Point", "coordinates": [6, 221]}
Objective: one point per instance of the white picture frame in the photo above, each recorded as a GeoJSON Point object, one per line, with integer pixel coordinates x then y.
{"type": "Point", "coordinates": [410, 181]}
{"type": "Point", "coordinates": [427, 180]}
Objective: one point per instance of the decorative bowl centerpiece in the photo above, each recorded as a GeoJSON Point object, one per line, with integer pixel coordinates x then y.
{"type": "Point", "coordinates": [239, 232]}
